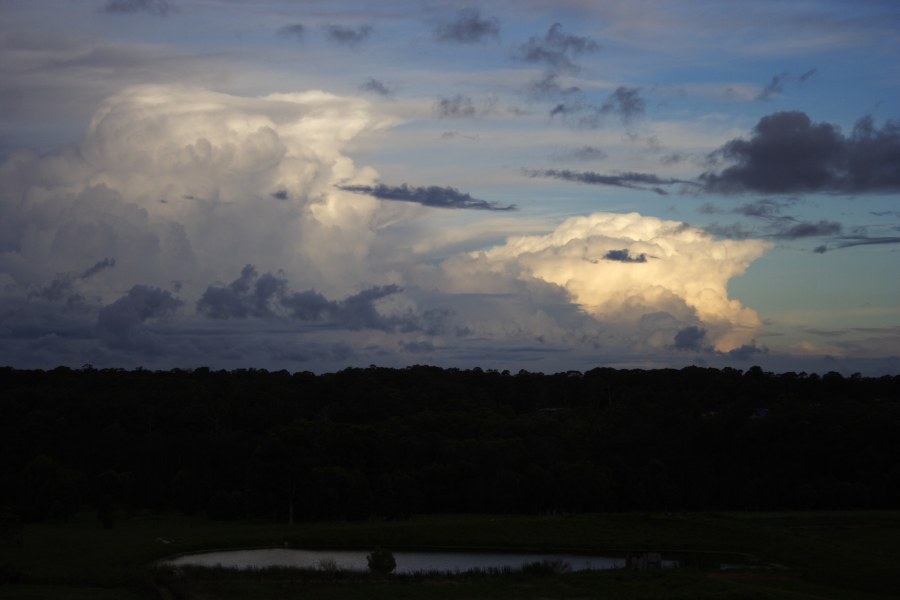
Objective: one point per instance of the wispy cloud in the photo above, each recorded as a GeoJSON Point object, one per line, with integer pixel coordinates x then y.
{"type": "Point", "coordinates": [456, 107]}
{"type": "Point", "coordinates": [377, 87]}
{"type": "Point", "coordinates": [638, 181]}
{"type": "Point", "coordinates": [468, 27]}
{"type": "Point", "coordinates": [348, 36]}
{"type": "Point", "coordinates": [624, 102]}
{"type": "Point", "coordinates": [556, 50]}
{"type": "Point", "coordinates": [438, 197]}
{"type": "Point", "coordinates": [297, 30]}
{"type": "Point", "coordinates": [160, 8]}
{"type": "Point", "coordinates": [776, 85]}
{"type": "Point", "coordinates": [852, 241]}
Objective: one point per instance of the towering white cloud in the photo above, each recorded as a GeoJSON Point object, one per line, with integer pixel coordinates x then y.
{"type": "Point", "coordinates": [182, 183]}
{"type": "Point", "coordinates": [123, 249]}
{"type": "Point", "coordinates": [626, 268]}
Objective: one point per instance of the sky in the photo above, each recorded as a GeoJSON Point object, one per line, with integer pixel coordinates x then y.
{"type": "Point", "coordinates": [546, 185]}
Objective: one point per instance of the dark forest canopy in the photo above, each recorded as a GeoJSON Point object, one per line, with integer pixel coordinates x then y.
{"type": "Point", "coordinates": [388, 443]}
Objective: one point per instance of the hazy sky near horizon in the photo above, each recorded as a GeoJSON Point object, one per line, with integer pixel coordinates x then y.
{"type": "Point", "coordinates": [531, 184]}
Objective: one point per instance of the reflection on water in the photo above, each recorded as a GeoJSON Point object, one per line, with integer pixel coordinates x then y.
{"type": "Point", "coordinates": [407, 562]}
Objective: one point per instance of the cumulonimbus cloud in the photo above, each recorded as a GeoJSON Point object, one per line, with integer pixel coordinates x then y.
{"type": "Point", "coordinates": [687, 277]}
{"type": "Point", "coordinates": [175, 181]}
{"type": "Point", "coordinates": [178, 185]}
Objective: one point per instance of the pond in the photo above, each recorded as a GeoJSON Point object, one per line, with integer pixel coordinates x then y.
{"type": "Point", "coordinates": [407, 562]}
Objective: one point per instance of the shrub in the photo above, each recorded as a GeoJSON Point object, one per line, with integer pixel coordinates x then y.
{"type": "Point", "coordinates": [381, 561]}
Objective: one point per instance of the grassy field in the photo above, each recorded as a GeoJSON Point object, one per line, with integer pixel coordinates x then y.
{"type": "Point", "coordinates": [817, 555]}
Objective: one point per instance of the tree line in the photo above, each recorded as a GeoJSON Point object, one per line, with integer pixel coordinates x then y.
{"type": "Point", "coordinates": [389, 443]}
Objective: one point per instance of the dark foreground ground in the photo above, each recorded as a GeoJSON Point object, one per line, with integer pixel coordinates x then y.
{"type": "Point", "coordinates": [798, 555]}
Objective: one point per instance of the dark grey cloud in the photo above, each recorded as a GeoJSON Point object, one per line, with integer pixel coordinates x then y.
{"type": "Point", "coordinates": [348, 35]}
{"type": "Point", "coordinates": [778, 228]}
{"type": "Point", "coordinates": [267, 296]}
{"type": "Point", "coordinates": [455, 107]}
{"type": "Point", "coordinates": [788, 153]}
{"type": "Point", "coordinates": [776, 84]}
{"type": "Point", "coordinates": [435, 196]}
{"type": "Point", "coordinates": [121, 324]}
{"type": "Point", "coordinates": [763, 208]}
{"type": "Point", "coordinates": [626, 103]}
{"type": "Point", "coordinates": [565, 109]}
{"type": "Point", "coordinates": [100, 265]}
{"type": "Point", "coordinates": [584, 153]}
{"type": "Point", "coordinates": [674, 158]}
{"type": "Point", "coordinates": [859, 240]}
{"type": "Point", "coordinates": [734, 231]}
{"type": "Point", "coordinates": [376, 87]}
{"type": "Point", "coordinates": [556, 50]}
{"type": "Point", "coordinates": [62, 286]}
{"type": "Point", "coordinates": [247, 296]}
{"type": "Point", "coordinates": [637, 181]}
{"type": "Point", "coordinates": [746, 352]}
{"type": "Point", "coordinates": [625, 256]}
{"type": "Point", "coordinates": [808, 229]}
{"type": "Point", "coordinates": [296, 30]}
{"type": "Point", "coordinates": [690, 338]}
{"type": "Point", "coordinates": [548, 86]}
{"type": "Point", "coordinates": [154, 7]}
{"type": "Point", "coordinates": [469, 27]}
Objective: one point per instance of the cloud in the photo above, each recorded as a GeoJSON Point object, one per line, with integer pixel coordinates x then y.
{"type": "Point", "coordinates": [625, 256]}
{"type": "Point", "coordinates": [556, 50]}
{"type": "Point", "coordinates": [63, 286]}
{"type": "Point", "coordinates": [808, 229]}
{"type": "Point", "coordinates": [624, 102]}
{"type": "Point", "coordinates": [469, 27]}
{"type": "Point", "coordinates": [121, 324]}
{"type": "Point", "coordinates": [584, 153]}
{"type": "Point", "coordinates": [296, 30]}
{"type": "Point", "coordinates": [377, 87]}
{"type": "Point", "coordinates": [455, 107]}
{"type": "Point", "coordinates": [247, 296]}
{"type": "Point", "coordinates": [182, 184]}
{"type": "Point", "coordinates": [268, 296]}
{"type": "Point", "coordinates": [636, 181]}
{"type": "Point", "coordinates": [154, 7]}
{"type": "Point", "coordinates": [347, 35]}
{"type": "Point", "coordinates": [764, 208]}
{"type": "Point", "coordinates": [788, 153]}
{"type": "Point", "coordinates": [435, 196]}
{"type": "Point", "coordinates": [686, 283]}
{"type": "Point", "coordinates": [776, 85]}
{"type": "Point", "coordinates": [690, 338]}
{"type": "Point", "coordinates": [548, 86]}
{"type": "Point", "coordinates": [852, 241]}
{"type": "Point", "coordinates": [174, 182]}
